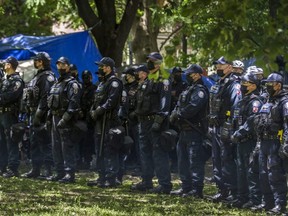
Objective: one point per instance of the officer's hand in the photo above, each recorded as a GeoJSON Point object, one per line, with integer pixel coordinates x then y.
{"type": "Point", "coordinates": [132, 116]}
{"type": "Point", "coordinates": [99, 111]}
{"type": "Point", "coordinates": [235, 138]}
{"type": "Point", "coordinates": [173, 117]}
{"type": "Point", "coordinates": [283, 151]}
{"type": "Point", "coordinates": [61, 124]}
{"type": "Point", "coordinates": [47, 125]}
{"type": "Point", "coordinates": [36, 121]}
{"type": "Point", "coordinates": [93, 114]}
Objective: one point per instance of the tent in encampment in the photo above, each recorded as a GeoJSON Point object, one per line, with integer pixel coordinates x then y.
{"type": "Point", "coordinates": [78, 47]}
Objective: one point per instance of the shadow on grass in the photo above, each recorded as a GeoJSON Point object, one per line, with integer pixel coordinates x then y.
{"type": "Point", "coordinates": [35, 197]}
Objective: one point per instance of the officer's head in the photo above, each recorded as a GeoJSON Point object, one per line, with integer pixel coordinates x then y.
{"type": "Point", "coordinates": [42, 60]}
{"type": "Point", "coordinates": [142, 72]}
{"type": "Point", "coordinates": [238, 67]}
{"type": "Point", "coordinates": [223, 67]}
{"type": "Point", "coordinates": [74, 70]}
{"type": "Point", "coordinates": [193, 73]}
{"type": "Point", "coordinates": [249, 83]}
{"type": "Point", "coordinates": [130, 74]}
{"type": "Point", "coordinates": [106, 65]}
{"type": "Point", "coordinates": [274, 83]}
{"type": "Point", "coordinates": [87, 77]}
{"type": "Point", "coordinates": [258, 72]}
{"type": "Point", "coordinates": [154, 60]}
{"type": "Point", "coordinates": [10, 65]}
{"type": "Point", "coordinates": [63, 65]}
{"type": "Point", "coordinates": [176, 74]}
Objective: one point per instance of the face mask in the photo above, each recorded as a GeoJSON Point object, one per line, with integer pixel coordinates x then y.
{"type": "Point", "coordinates": [101, 72]}
{"type": "Point", "coordinates": [62, 72]}
{"type": "Point", "coordinates": [189, 80]}
{"type": "Point", "coordinates": [220, 73]}
{"type": "Point", "coordinates": [177, 78]}
{"type": "Point", "coordinates": [150, 65]}
{"type": "Point", "coordinates": [244, 89]}
{"type": "Point", "coordinates": [270, 90]}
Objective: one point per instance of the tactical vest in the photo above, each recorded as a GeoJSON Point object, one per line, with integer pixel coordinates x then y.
{"type": "Point", "coordinates": [32, 91]}
{"type": "Point", "coordinates": [58, 100]}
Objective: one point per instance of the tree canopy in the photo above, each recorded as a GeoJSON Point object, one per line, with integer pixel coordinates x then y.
{"type": "Point", "coordinates": [207, 29]}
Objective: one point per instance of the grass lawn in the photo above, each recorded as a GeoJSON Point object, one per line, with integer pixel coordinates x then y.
{"type": "Point", "coordinates": [20, 196]}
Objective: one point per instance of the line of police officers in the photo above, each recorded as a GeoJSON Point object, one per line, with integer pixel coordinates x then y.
{"type": "Point", "coordinates": [247, 123]}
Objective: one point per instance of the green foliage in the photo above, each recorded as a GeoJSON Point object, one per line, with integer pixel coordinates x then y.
{"type": "Point", "coordinates": [235, 29]}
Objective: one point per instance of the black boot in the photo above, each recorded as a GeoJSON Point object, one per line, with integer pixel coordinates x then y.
{"type": "Point", "coordinates": [33, 173]}
{"type": "Point", "coordinates": [68, 178]}
{"type": "Point", "coordinates": [56, 177]}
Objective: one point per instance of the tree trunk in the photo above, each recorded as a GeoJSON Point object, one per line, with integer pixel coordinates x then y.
{"type": "Point", "coordinates": [110, 35]}
{"type": "Point", "coordinates": [144, 33]}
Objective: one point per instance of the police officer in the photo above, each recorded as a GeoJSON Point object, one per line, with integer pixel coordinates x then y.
{"type": "Point", "coordinates": [249, 193]}
{"type": "Point", "coordinates": [153, 104]}
{"type": "Point", "coordinates": [271, 119]}
{"type": "Point", "coordinates": [10, 96]}
{"type": "Point", "coordinates": [177, 87]}
{"type": "Point", "coordinates": [190, 115]}
{"type": "Point", "coordinates": [64, 103]}
{"type": "Point", "coordinates": [104, 111]}
{"type": "Point", "coordinates": [86, 144]}
{"type": "Point", "coordinates": [225, 94]}
{"type": "Point", "coordinates": [131, 87]}
{"type": "Point", "coordinates": [36, 101]}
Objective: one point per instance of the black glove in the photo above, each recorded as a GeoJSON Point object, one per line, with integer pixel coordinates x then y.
{"type": "Point", "coordinates": [93, 114]}
{"type": "Point", "coordinates": [36, 121]}
{"type": "Point", "coordinates": [283, 151]}
{"type": "Point", "coordinates": [99, 111]}
{"type": "Point", "coordinates": [174, 117]}
{"type": "Point", "coordinates": [132, 116]}
{"type": "Point", "coordinates": [61, 124]}
{"type": "Point", "coordinates": [156, 126]}
{"type": "Point", "coordinates": [235, 138]}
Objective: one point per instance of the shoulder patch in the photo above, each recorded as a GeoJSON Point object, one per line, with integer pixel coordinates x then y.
{"type": "Point", "coordinates": [17, 85]}
{"type": "Point", "coordinates": [75, 88]}
{"type": "Point", "coordinates": [115, 84]}
{"type": "Point", "coordinates": [256, 105]}
{"type": "Point", "coordinates": [201, 94]}
{"type": "Point", "coordinates": [166, 82]}
{"type": "Point", "coordinates": [50, 78]}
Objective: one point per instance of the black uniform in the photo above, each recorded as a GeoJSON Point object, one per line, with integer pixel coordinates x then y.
{"type": "Point", "coordinates": [107, 144]}
{"type": "Point", "coordinates": [10, 96]}
{"type": "Point", "coordinates": [35, 97]}
{"type": "Point", "coordinates": [64, 103]}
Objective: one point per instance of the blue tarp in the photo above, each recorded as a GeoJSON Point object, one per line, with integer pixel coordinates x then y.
{"type": "Point", "coordinates": [78, 47]}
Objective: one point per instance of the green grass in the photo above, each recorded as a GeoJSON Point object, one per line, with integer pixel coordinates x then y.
{"type": "Point", "coordinates": [20, 196]}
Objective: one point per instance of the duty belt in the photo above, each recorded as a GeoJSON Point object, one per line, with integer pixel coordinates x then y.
{"type": "Point", "coordinates": [6, 109]}
{"type": "Point", "coordinates": [266, 136]}
{"type": "Point", "coordinates": [245, 139]}
{"type": "Point", "coordinates": [192, 126]}
{"type": "Point", "coordinates": [57, 112]}
{"type": "Point", "coordinates": [146, 118]}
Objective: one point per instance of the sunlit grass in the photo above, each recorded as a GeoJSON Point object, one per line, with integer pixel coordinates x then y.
{"type": "Point", "coordinates": [20, 196]}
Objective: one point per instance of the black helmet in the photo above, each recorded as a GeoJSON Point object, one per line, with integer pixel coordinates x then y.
{"type": "Point", "coordinates": [250, 77]}
{"type": "Point", "coordinates": [130, 70]}
{"type": "Point", "coordinates": [274, 77]}
{"type": "Point", "coordinates": [43, 56]}
{"type": "Point", "coordinates": [86, 73]}
{"type": "Point", "coordinates": [175, 70]}
{"type": "Point", "coordinates": [193, 68]}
